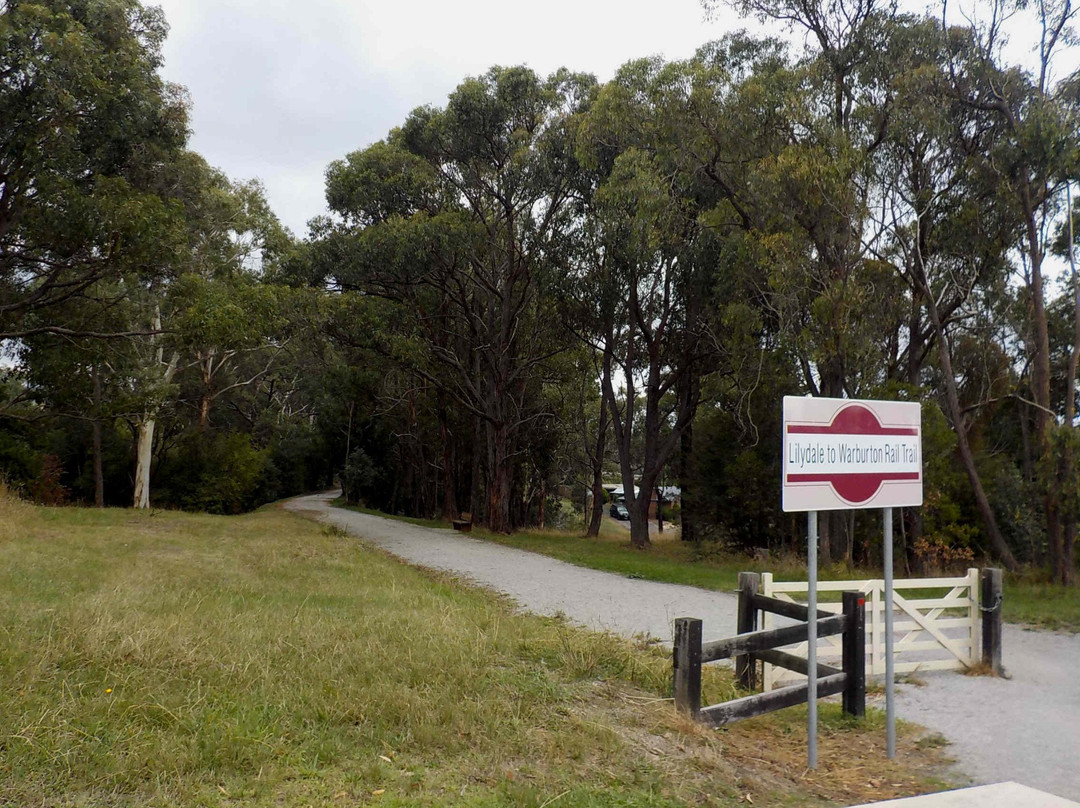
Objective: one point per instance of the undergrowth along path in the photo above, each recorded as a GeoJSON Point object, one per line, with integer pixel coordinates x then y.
{"type": "Point", "coordinates": [1025, 729]}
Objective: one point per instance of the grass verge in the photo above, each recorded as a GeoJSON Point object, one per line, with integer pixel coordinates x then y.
{"type": "Point", "coordinates": [1041, 605]}
{"type": "Point", "coordinates": [1027, 600]}
{"type": "Point", "coordinates": [669, 559]}
{"type": "Point", "coordinates": [176, 659]}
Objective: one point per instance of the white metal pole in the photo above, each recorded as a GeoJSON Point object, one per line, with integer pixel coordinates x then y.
{"type": "Point", "coordinates": [890, 707]}
{"type": "Point", "coordinates": [811, 637]}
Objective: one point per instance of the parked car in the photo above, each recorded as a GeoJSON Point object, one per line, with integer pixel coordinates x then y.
{"type": "Point", "coordinates": [618, 511]}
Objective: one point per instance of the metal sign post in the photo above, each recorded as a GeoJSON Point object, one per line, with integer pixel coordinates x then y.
{"type": "Point", "coordinates": [890, 673]}
{"type": "Point", "coordinates": [843, 454]}
{"type": "Point", "coordinates": [811, 640]}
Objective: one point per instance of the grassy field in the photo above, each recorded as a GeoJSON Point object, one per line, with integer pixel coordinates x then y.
{"type": "Point", "coordinates": [175, 659]}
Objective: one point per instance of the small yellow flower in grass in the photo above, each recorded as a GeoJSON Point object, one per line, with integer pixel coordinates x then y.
{"type": "Point", "coordinates": [108, 690]}
{"type": "Point", "coordinates": [378, 792]}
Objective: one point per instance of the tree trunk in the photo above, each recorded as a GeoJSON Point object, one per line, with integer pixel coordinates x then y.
{"type": "Point", "coordinates": [597, 460]}
{"type": "Point", "coordinates": [597, 504]}
{"type": "Point", "coordinates": [849, 539]}
{"type": "Point", "coordinates": [997, 541]}
{"type": "Point", "coordinates": [623, 423]}
{"type": "Point", "coordinates": [1068, 565]}
{"type": "Point", "coordinates": [639, 520]}
{"type": "Point", "coordinates": [500, 479]}
{"type": "Point", "coordinates": [911, 524]}
{"type": "Point", "coordinates": [475, 475]}
{"type": "Point", "coordinates": [204, 411]}
{"type": "Point", "coordinates": [1055, 536]}
{"type": "Point", "coordinates": [1068, 561]}
{"type": "Point", "coordinates": [95, 431]}
{"type": "Point", "coordinates": [206, 396]}
{"type": "Point", "coordinates": [449, 504]}
{"type": "Point", "coordinates": [915, 341]}
{"type": "Point", "coordinates": [143, 455]}
{"type": "Point", "coordinates": [145, 434]}
{"type": "Point", "coordinates": [687, 520]}
{"type": "Point", "coordinates": [825, 534]}
{"type": "Point", "coordinates": [350, 496]}
{"type": "Point", "coordinates": [99, 477]}
{"type": "Point", "coordinates": [1040, 364]}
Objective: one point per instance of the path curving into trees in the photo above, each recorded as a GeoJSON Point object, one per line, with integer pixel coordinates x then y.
{"type": "Point", "coordinates": [1025, 729]}
{"type": "Point", "coordinates": [599, 600]}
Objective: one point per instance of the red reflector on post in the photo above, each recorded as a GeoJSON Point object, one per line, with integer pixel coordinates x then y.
{"type": "Point", "coordinates": [862, 601]}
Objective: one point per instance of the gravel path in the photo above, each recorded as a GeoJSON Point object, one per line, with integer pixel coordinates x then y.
{"type": "Point", "coordinates": [1025, 729]}
{"type": "Point", "coordinates": [599, 600]}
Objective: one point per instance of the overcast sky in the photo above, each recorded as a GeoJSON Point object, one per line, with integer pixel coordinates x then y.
{"type": "Point", "coordinates": [280, 89]}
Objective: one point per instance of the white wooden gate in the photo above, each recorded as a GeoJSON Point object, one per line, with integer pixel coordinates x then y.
{"type": "Point", "coordinates": [931, 631]}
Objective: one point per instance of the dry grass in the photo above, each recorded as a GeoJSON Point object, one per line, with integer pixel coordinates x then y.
{"type": "Point", "coordinates": [980, 669]}
{"type": "Point", "coordinates": [178, 659]}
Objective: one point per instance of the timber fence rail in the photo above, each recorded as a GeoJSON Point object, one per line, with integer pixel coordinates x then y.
{"type": "Point", "coordinates": [940, 623]}
{"type": "Point", "coordinates": [752, 645]}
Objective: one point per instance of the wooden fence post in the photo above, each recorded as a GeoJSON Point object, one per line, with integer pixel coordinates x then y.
{"type": "Point", "coordinates": [745, 664]}
{"type": "Point", "coordinates": [990, 599]}
{"type": "Point", "coordinates": [854, 654]}
{"type": "Point", "coordinates": [687, 664]}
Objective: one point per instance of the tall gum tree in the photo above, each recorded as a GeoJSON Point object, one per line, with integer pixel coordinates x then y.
{"type": "Point", "coordinates": [813, 190]}
{"type": "Point", "coordinates": [203, 309]}
{"type": "Point", "coordinates": [84, 121]}
{"type": "Point", "coordinates": [1035, 155]}
{"type": "Point", "coordinates": [504, 178]}
{"type": "Point", "coordinates": [943, 225]}
{"type": "Point", "coordinates": [643, 276]}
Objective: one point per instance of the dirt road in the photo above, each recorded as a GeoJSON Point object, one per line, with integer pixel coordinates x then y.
{"type": "Point", "coordinates": [1025, 729]}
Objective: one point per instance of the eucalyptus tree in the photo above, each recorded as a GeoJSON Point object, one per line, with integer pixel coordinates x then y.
{"type": "Point", "coordinates": [1067, 464]}
{"type": "Point", "coordinates": [202, 309]}
{"type": "Point", "coordinates": [223, 311]}
{"type": "Point", "coordinates": [1034, 156]}
{"type": "Point", "coordinates": [943, 227]}
{"type": "Point", "coordinates": [814, 188]}
{"type": "Point", "coordinates": [461, 218]}
{"type": "Point", "coordinates": [401, 237]}
{"type": "Point", "coordinates": [81, 381]}
{"type": "Point", "coordinates": [645, 283]}
{"type": "Point", "coordinates": [84, 121]}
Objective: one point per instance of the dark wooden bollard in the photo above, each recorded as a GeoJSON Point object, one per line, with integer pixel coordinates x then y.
{"type": "Point", "coordinates": [687, 662]}
{"type": "Point", "coordinates": [854, 653]}
{"type": "Point", "coordinates": [747, 622]}
{"type": "Point", "coordinates": [990, 599]}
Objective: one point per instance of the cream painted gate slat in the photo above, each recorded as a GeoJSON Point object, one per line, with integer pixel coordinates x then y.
{"type": "Point", "coordinates": [930, 633]}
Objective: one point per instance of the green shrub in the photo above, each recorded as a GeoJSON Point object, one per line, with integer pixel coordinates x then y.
{"type": "Point", "coordinates": [360, 477]}
{"type": "Point", "coordinates": [216, 472]}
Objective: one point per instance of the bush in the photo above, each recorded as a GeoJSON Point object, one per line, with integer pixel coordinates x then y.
{"type": "Point", "coordinates": [297, 464]}
{"type": "Point", "coordinates": [360, 477]}
{"type": "Point", "coordinates": [214, 472]}
{"type": "Point", "coordinates": [45, 487]}
{"type": "Point", "coordinates": [20, 464]}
